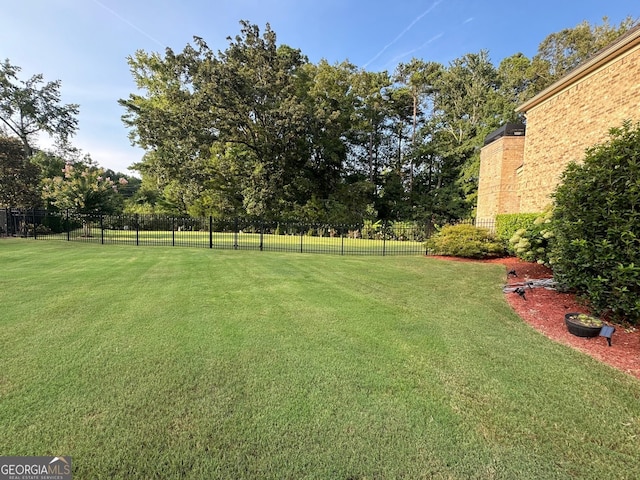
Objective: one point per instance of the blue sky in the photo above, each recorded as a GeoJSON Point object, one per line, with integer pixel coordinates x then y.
{"type": "Point", "coordinates": [85, 43]}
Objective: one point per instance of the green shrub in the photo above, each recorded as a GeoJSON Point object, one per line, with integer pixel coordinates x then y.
{"type": "Point", "coordinates": [507, 224]}
{"type": "Point", "coordinates": [372, 230]}
{"type": "Point", "coordinates": [405, 231]}
{"type": "Point", "coordinates": [465, 241]}
{"type": "Point", "coordinates": [54, 222]}
{"type": "Point", "coordinates": [597, 226]}
{"type": "Point", "coordinates": [534, 243]}
{"type": "Point", "coordinates": [40, 230]}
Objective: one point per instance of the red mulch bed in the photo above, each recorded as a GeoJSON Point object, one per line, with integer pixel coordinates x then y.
{"type": "Point", "coordinates": [544, 310]}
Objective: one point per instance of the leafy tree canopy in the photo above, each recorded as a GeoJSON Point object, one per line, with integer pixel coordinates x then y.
{"type": "Point", "coordinates": [29, 107]}
{"type": "Point", "coordinates": [84, 188]}
{"type": "Point", "coordinates": [18, 176]}
{"type": "Point", "coordinates": [257, 129]}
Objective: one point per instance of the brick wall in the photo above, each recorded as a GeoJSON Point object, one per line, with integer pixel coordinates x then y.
{"type": "Point", "coordinates": [560, 128]}
{"type": "Point", "coordinates": [498, 182]}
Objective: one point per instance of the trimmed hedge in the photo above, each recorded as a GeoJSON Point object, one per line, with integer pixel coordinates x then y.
{"type": "Point", "coordinates": [507, 224]}
{"type": "Point", "coordinates": [597, 226]}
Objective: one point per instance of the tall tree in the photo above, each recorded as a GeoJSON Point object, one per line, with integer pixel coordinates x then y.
{"type": "Point", "coordinates": [515, 85]}
{"type": "Point", "coordinates": [399, 104]}
{"type": "Point", "coordinates": [467, 106]}
{"type": "Point", "coordinates": [29, 107]}
{"type": "Point", "coordinates": [18, 176]}
{"type": "Point", "coordinates": [258, 130]}
{"type": "Point", "coordinates": [258, 104]}
{"type": "Point", "coordinates": [369, 122]}
{"type": "Point", "coordinates": [196, 100]}
{"type": "Point", "coordinates": [418, 77]}
{"type": "Point", "coordinates": [563, 51]}
{"type": "Point", "coordinates": [330, 103]}
{"type": "Point", "coordinates": [254, 129]}
{"type": "Point", "coordinates": [170, 120]}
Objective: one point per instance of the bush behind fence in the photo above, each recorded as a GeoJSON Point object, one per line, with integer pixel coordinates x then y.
{"type": "Point", "coordinates": [368, 238]}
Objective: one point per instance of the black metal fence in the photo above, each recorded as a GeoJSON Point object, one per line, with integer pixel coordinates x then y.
{"type": "Point", "coordinates": [368, 238]}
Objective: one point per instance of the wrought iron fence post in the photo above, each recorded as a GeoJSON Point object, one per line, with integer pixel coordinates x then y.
{"type": "Point", "coordinates": [210, 231]}
{"type": "Point", "coordinates": [173, 231]}
{"type": "Point", "coordinates": [301, 236]}
{"type": "Point", "coordinates": [33, 219]}
{"type": "Point", "coordinates": [384, 238]}
{"type": "Point", "coordinates": [342, 241]}
{"type": "Point", "coordinates": [235, 234]}
{"type": "Point", "coordinates": [428, 236]}
{"type": "Point", "coordinates": [261, 235]}
{"type": "Point", "coordinates": [137, 230]}
{"type": "Point", "coordinates": [101, 229]}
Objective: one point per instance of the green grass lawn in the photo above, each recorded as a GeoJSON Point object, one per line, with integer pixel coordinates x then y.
{"type": "Point", "coordinates": [197, 363]}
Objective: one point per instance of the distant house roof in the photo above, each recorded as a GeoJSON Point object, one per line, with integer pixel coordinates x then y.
{"type": "Point", "coordinates": [623, 44]}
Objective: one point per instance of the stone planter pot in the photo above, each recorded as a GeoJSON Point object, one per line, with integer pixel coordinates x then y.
{"type": "Point", "coordinates": [582, 325]}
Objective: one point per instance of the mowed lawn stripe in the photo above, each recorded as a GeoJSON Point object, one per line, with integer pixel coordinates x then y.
{"type": "Point", "coordinates": [188, 363]}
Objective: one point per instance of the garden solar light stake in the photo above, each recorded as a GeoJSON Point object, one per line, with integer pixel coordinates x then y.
{"type": "Point", "coordinates": [607, 331]}
{"type": "Point", "coordinates": [520, 291]}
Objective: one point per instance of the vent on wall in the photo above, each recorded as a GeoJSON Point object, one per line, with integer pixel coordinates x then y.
{"type": "Point", "coordinates": [507, 130]}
